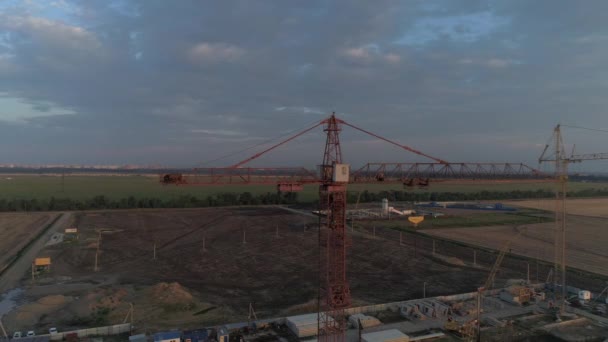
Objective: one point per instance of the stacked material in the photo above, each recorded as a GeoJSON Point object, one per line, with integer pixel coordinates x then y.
{"type": "Point", "coordinates": [392, 335]}
{"type": "Point", "coordinates": [366, 321]}
{"type": "Point", "coordinates": [303, 325]}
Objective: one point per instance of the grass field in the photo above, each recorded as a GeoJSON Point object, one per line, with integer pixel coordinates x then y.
{"type": "Point", "coordinates": [471, 220]}
{"type": "Point", "coordinates": [117, 187]}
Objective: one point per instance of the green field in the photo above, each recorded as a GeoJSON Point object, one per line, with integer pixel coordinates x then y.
{"type": "Point", "coordinates": [474, 219]}
{"type": "Point", "coordinates": [116, 187]}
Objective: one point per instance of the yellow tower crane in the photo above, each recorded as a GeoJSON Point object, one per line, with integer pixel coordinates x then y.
{"type": "Point", "coordinates": [561, 160]}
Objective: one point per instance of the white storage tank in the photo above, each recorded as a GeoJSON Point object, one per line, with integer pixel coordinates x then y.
{"type": "Point", "coordinates": [584, 295]}
{"type": "Point", "coordinates": [385, 206]}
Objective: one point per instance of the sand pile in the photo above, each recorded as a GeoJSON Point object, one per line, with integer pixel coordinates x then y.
{"type": "Point", "coordinates": [171, 293]}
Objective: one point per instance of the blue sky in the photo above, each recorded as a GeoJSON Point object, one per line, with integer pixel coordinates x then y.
{"type": "Point", "coordinates": [185, 82]}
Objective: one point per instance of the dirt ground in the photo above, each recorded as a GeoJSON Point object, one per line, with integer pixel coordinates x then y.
{"type": "Point", "coordinates": [585, 241]}
{"type": "Point", "coordinates": [277, 274]}
{"type": "Point", "coordinates": [212, 263]}
{"type": "Point", "coordinates": [597, 207]}
{"type": "Point", "coordinates": [16, 230]}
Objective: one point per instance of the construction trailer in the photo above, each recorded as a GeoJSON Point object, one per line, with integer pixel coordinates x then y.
{"type": "Point", "coordinates": [169, 336]}
{"type": "Point", "coordinates": [363, 320]}
{"type": "Point", "coordinates": [303, 325]}
{"type": "Point", "coordinates": [195, 336]}
{"type": "Point", "coordinates": [223, 335]}
{"type": "Point", "coordinates": [138, 338]}
{"type": "Point", "coordinates": [392, 335]}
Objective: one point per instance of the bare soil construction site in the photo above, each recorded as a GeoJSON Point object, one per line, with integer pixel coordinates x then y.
{"type": "Point", "coordinates": [195, 267]}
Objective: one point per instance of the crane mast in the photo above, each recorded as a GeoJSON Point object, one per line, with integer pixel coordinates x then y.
{"type": "Point", "coordinates": [561, 162]}
{"type": "Point", "coordinates": [334, 289]}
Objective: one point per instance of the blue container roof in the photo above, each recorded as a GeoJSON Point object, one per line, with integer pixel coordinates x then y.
{"type": "Point", "coordinates": [167, 335]}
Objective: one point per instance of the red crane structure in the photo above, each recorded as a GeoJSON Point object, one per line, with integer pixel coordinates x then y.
{"type": "Point", "coordinates": [333, 178]}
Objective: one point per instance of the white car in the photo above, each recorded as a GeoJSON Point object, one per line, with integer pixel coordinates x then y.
{"type": "Point", "coordinates": [52, 331]}
{"type": "Point", "coordinates": [17, 334]}
{"type": "Point", "coordinates": [30, 333]}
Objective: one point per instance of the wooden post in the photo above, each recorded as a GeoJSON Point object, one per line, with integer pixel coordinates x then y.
{"type": "Point", "coordinates": [3, 331]}
{"type": "Point", "coordinates": [97, 251]}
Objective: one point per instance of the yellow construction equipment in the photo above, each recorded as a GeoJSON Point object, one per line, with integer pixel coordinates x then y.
{"type": "Point", "coordinates": [490, 280]}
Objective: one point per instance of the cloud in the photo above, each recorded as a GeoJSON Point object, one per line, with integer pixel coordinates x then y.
{"type": "Point", "coordinates": [221, 132]}
{"type": "Point", "coordinates": [370, 53]}
{"type": "Point", "coordinates": [215, 53]}
{"type": "Point", "coordinates": [496, 63]}
{"type": "Point", "coordinates": [50, 33]}
{"type": "Point", "coordinates": [300, 109]}
{"type": "Point", "coordinates": [462, 28]}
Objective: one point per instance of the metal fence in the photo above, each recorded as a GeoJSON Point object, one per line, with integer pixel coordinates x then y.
{"type": "Point", "coordinates": [99, 331]}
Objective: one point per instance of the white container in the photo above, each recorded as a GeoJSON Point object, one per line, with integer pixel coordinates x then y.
{"type": "Point", "coordinates": [392, 335]}
{"type": "Point", "coordinates": [584, 295]}
{"type": "Point", "coordinates": [341, 173]}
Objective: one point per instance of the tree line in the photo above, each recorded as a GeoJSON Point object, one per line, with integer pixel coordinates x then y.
{"type": "Point", "coordinates": [247, 198]}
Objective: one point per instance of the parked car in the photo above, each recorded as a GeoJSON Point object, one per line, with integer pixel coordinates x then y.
{"type": "Point", "coordinates": [17, 334]}
{"type": "Point", "coordinates": [52, 331]}
{"type": "Point", "coordinates": [31, 333]}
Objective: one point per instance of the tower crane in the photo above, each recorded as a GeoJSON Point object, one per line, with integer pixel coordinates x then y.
{"type": "Point", "coordinates": [333, 178]}
{"type": "Point", "coordinates": [561, 161]}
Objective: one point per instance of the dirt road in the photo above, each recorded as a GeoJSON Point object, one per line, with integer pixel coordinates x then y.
{"type": "Point", "coordinates": [10, 279]}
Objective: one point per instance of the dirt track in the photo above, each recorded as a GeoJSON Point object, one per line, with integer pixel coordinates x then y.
{"type": "Point", "coordinates": [16, 231]}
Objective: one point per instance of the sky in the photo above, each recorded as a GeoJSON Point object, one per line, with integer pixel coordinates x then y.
{"type": "Point", "coordinates": [208, 83]}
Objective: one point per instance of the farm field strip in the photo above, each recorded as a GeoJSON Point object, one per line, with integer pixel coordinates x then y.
{"type": "Point", "coordinates": [586, 241]}
{"type": "Point", "coordinates": [118, 187]}
{"type": "Point", "coordinates": [16, 230]}
{"type": "Point", "coordinates": [597, 207]}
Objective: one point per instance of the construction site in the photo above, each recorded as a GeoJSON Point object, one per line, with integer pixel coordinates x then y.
{"type": "Point", "coordinates": [363, 272]}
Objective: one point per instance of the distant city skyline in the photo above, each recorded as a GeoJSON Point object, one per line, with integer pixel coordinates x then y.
{"type": "Point", "coordinates": [185, 83]}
